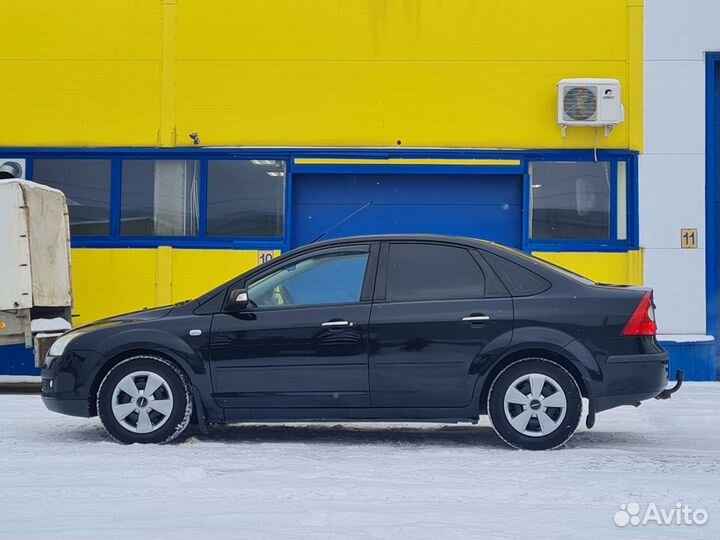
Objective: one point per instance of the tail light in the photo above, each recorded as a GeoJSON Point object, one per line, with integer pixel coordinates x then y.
{"type": "Point", "coordinates": [642, 321]}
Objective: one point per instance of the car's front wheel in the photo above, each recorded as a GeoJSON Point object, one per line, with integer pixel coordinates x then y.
{"type": "Point", "coordinates": [144, 399]}
{"type": "Point", "coordinates": [534, 404]}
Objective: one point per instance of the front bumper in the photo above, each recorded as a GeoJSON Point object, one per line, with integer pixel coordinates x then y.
{"type": "Point", "coordinates": [72, 407]}
{"type": "Point", "coordinates": [67, 383]}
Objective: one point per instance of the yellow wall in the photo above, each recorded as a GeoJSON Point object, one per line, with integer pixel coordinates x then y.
{"type": "Point", "coordinates": [311, 72]}
{"type": "Point", "coordinates": [109, 282]}
{"type": "Point", "coordinates": [458, 73]}
{"type": "Point", "coordinates": [613, 268]}
{"type": "Point", "coordinates": [80, 72]}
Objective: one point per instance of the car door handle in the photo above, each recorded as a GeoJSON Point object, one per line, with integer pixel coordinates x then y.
{"type": "Point", "coordinates": [336, 324]}
{"type": "Point", "coordinates": [476, 318]}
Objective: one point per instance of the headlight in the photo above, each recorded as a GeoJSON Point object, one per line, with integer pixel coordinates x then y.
{"type": "Point", "coordinates": [58, 347]}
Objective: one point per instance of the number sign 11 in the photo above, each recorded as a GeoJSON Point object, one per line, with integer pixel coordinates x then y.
{"type": "Point", "coordinates": [689, 238]}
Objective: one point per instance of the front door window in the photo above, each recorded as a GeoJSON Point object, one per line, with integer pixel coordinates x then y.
{"type": "Point", "coordinates": [323, 279]}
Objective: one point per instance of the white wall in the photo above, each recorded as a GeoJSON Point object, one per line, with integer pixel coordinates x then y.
{"type": "Point", "coordinates": [672, 168]}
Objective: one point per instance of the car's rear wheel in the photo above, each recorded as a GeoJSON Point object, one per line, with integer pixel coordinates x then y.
{"type": "Point", "coordinates": [534, 404]}
{"type": "Point", "coordinates": [144, 399]}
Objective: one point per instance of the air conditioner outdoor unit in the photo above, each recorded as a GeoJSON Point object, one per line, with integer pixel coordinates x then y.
{"type": "Point", "coordinates": [12, 168]}
{"type": "Point", "coordinates": [590, 103]}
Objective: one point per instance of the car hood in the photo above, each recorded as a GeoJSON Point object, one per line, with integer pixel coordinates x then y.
{"type": "Point", "coordinates": [143, 315]}
{"type": "Point", "coordinates": [134, 316]}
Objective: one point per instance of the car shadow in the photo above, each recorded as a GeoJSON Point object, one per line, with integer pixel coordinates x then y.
{"type": "Point", "coordinates": [441, 435]}
{"type": "Point", "coordinates": [616, 440]}
{"type": "Point", "coordinates": [470, 436]}
{"type": "Point", "coordinates": [445, 435]}
{"type": "Point", "coordinates": [89, 433]}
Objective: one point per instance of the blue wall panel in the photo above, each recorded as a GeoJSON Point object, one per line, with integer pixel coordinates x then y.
{"type": "Point", "coordinates": [480, 206]}
{"type": "Point", "coordinates": [712, 206]}
{"type": "Point", "coordinates": [713, 172]}
{"type": "Point", "coordinates": [697, 359]}
{"type": "Point", "coordinates": [17, 360]}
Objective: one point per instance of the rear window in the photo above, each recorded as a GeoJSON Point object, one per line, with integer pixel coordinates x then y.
{"type": "Point", "coordinates": [550, 266]}
{"type": "Point", "coordinates": [432, 272]}
{"type": "Point", "coordinates": [519, 280]}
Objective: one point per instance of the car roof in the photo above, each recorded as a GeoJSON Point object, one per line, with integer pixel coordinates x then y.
{"type": "Point", "coordinates": [395, 237]}
{"type": "Point", "coordinates": [545, 269]}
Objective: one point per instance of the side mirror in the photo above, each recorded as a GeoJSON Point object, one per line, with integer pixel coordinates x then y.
{"type": "Point", "coordinates": [238, 300]}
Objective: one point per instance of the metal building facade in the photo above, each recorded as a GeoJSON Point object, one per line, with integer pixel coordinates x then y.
{"type": "Point", "coordinates": [292, 115]}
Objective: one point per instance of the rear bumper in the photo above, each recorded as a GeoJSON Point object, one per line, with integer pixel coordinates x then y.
{"type": "Point", "coordinates": [638, 358]}
{"type": "Point", "coordinates": [629, 379]}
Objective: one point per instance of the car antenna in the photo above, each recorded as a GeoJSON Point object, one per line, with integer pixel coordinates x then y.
{"type": "Point", "coordinates": [363, 207]}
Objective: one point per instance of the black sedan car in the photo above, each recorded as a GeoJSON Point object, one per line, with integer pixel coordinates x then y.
{"type": "Point", "coordinates": [383, 328]}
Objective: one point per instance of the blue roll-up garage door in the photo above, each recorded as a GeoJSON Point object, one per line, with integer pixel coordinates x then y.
{"type": "Point", "coordinates": [479, 206]}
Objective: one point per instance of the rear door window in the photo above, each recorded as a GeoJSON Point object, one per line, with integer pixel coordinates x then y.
{"type": "Point", "coordinates": [432, 272]}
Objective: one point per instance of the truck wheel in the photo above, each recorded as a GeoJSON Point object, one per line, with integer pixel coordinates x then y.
{"type": "Point", "coordinates": [534, 404]}
{"type": "Point", "coordinates": [145, 399]}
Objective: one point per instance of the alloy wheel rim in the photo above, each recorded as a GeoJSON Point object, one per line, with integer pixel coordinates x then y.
{"type": "Point", "coordinates": [142, 402]}
{"type": "Point", "coordinates": [535, 405]}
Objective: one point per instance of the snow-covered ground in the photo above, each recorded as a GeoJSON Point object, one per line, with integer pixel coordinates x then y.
{"type": "Point", "coordinates": [61, 477]}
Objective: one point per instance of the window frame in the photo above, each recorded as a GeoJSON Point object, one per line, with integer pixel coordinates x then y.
{"type": "Point", "coordinates": [301, 161]}
{"type": "Point", "coordinates": [119, 202]}
{"type": "Point", "coordinates": [115, 238]}
{"type": "Point", "coordinates": [30, 168]}
{"type": "Point", "coordinates": [203, 202]}
{"type": "Point", "coordinates": [613, 244]}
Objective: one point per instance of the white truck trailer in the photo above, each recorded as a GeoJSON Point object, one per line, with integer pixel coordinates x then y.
{"type": "Point", "coordinates": [35, 282]}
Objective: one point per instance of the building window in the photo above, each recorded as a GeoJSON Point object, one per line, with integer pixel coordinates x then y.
{"type": "Point", "coordinates": [570, 200]}
{"type": "Point", "coordinates": [246, 198]}
{"type": "Point", "coordinates": [160, 198]}
{"type": "Point", "coordinates": [621, 198]}
{"type": "Point", "coordinates": [86, 184]}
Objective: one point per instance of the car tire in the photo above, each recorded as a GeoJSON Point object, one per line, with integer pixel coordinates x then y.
{"type": "Point", "coordinates": [132, 415]}
{"type": "Point", "coordinates": [534, 404]}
